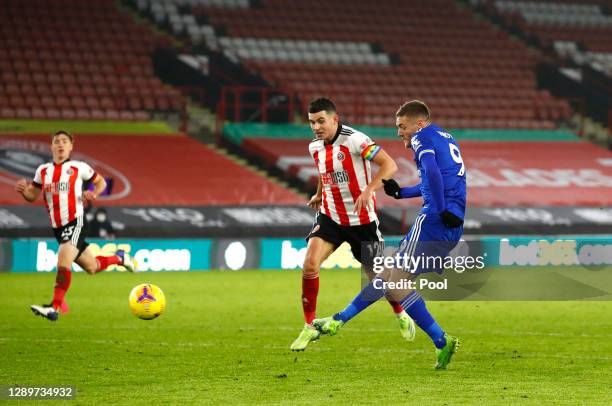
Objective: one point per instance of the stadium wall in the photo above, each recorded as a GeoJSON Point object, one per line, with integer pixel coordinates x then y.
{"type": "Point", "coordinates": [39, 255]}
{"type": "Point", "coordinates": [292, 221]}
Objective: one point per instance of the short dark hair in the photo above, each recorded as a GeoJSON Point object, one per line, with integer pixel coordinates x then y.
{"type": "Point", "coordinates": [413, 108]}
{"type": "Point", "coordinates": [63, 132]}
{"type": "Point", "coordinates": [321, 104]}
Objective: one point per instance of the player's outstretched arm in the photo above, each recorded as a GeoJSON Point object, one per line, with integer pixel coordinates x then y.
{"type": "Point", "coordinates": [387, 168]}
{"type": "Point", "coordinates": [410, 191]}
{"type": "Point", "coordinates": [99, 185]}
{"type": "Point", "coordinates": [29, 192]}
{"type": "Point", "coordinates": [393, 189]}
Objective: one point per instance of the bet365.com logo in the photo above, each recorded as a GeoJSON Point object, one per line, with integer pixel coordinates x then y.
{"type": "Point", "coordinates": [557, 252]}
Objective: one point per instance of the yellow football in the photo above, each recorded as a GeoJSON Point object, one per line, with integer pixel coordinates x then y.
{"type": "Point", "coordinates": [147, 301]}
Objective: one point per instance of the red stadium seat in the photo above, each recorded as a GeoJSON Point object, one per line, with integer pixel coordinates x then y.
{"type": "Point", "coordinates": [12, 89]}
{"type": "Point", "coordinates": [83, 114]}
{"type": "Point", "coordinates": [134, 103]}
{"type": "Point", "coordinates": [7, 112]}
{"type": "Point", "coordinates": [107, 103]}
{"type": "Point", "coordinates": [23, 113]}
{"type": "Point", "coordinates": [112, 114]}
{"type": "Point", "coordinates": [68, 114]}
{"type": "Point", "coordinates": [53, 114]}
{"type": "Point", "coordinates": [17, 102]}
{"type": "Point", "coordinates": [141, 116]}
{"type": "Point", "coordinates": [33, 102]}
{"type": "Point", "coordinates": [77, 102]}
{"type": "Point", "coordinates": [39, 114]}
{"type": "Point", "coordinates": [92, 102]}
{"type": "Point", "coordinates": [126, 115]}
{"type": "Point", "coordinates": [51, 49]}
{"type": "Point", "coordinates": [97, 114]}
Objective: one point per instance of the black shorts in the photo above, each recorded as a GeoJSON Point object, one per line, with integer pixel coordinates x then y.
{"type": "Point", "coordinates": [73, 233]}
{"type": "Point", "coordinates": [356, 236]}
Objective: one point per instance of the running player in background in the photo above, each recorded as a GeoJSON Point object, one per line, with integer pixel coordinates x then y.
{"type": "Point", "coordinates": [345, 204]}
{"type": "Point", "coordinates": [435, 232]}
{"type": "Point", "coordinates": [61, 182]}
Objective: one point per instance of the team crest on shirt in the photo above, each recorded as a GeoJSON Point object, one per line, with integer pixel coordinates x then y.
{"type": "Point", "coordinates": [340, 156]}
{"type": "Point", "coordinates": [415, 142]}
{"type": "Point", "coordinates": [70, 171]}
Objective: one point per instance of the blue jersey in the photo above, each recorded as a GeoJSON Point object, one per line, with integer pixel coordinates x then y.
{"type": "Point", "coordinates": [435, 140]}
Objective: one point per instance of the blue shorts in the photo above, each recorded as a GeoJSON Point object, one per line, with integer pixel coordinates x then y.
{"type": "Point", "coordinates": [431, 240]}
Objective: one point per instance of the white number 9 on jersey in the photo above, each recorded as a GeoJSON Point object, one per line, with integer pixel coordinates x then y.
{"type": "Point", "coordinates": [454, 151]}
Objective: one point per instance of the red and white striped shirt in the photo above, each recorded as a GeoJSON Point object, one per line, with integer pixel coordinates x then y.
{"type": "Point", "coordinates": [344, 166]}
{"type": "Point", "coordinates": [62, 187]}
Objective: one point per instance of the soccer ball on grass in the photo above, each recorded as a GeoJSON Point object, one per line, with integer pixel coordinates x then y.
{"type": "Point", "coordinates": [147, 301]}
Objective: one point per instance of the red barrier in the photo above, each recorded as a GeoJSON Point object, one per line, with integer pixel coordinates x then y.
{"type": "Point", "coordinates": [499, 173]}
{"type": "Point", "coordinates": [147, 170]}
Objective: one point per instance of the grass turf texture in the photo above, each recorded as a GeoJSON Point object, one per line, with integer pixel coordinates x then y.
{"type": "Point", "coordinates": [225, 336]}
{"type": "Point", "coordinates": [84, 127]}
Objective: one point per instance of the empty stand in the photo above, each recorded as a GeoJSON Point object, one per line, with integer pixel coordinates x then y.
{"type": "Point", "coordinates": [580, 29]}
{"type": "Point", "coordinates": [78, 60]}
{"type": "Point", "coordinates": [370, 56]}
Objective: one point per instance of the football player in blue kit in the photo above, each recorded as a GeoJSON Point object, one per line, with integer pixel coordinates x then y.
{"type": "Point", "coordinates": [435, 232]}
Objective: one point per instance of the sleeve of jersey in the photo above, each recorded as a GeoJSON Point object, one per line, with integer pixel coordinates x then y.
{"type": "Point", "coordinates": [311, 150]}
{"type": "Point", "coordinates": [89, 175]}
{"type": "Point", "coordinates": [410, 191]}
{"type": "Point", "coordinates": [363, 145]}
{"type": "Point", "coordinates": [37, 181]}
{"type": "Point", "coordinates": [370, 152]}
{"type": "Point", "coordinates": [423, 146]}
{"type": "Point", "coordinates": [436, 185]}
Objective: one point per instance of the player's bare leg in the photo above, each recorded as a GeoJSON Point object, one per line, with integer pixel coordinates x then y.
{"type": "Point", "coordinates": [93, 265]}
{"type": "Point", "coordinates": [65, 257]}
{"type": "Point", "coordinates": [317, 251]}
{"type": "Point", "coordinates": [88, 262]}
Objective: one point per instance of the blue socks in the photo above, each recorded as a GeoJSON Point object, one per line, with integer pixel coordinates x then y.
{"type": "Point", "coordinates": [365, 298]}
{"type": "Point", "coordinates": [414, 305]}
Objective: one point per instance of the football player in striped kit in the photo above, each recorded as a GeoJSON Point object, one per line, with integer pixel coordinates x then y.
{"type": "Point", "coordinates": [345, 204]}
{"type": "Point", "coordinates": [61, 183]}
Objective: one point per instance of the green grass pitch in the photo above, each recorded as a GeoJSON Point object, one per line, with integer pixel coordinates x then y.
{"type": "Point", "coordinates": [82, 127]}
{"type": "Point", "coordinates": [225, 337]}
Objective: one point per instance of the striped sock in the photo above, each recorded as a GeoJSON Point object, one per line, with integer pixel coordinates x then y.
{"type": "Point", "coordinates": [415, 307]}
